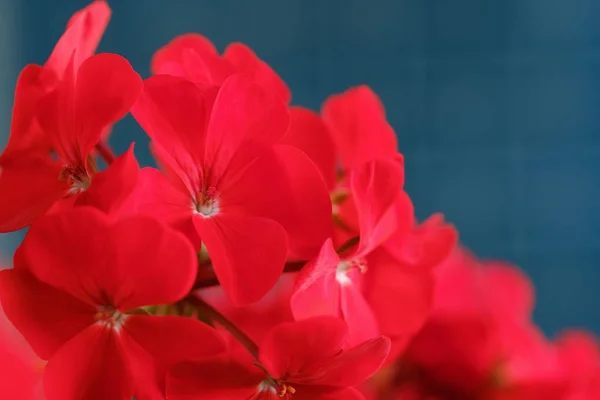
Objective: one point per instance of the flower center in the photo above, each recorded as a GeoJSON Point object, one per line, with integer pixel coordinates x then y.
{"type": "Point", "coordinates": [285, 390]}
{"type": "Point", "coordinates": [110, 317]}
{"type": "Point", "coordinates": [345, 267]}
{"type": "Point", "coordinates": [207, 202]}
{"type": "Point", "coordinates": [76, 177]}
{"type": "Point", "coordinates": [276, 387]}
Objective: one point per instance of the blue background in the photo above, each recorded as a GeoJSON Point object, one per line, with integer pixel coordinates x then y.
{"type": "Point", "coordinates": [495, 102]}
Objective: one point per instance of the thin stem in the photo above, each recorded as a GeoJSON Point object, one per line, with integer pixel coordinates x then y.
{"type": "Point", "coordinates": [105, 152]}
{"type": "Point", "coordinates": [214, 315]}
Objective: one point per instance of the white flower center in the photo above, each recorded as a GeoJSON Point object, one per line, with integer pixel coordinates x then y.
{"type": "Point", "coordinates": [111, 318]}
{"type": "Point", "coordinates": [344, 267]}
{"type": "Point", "coordinates": [266, 386]}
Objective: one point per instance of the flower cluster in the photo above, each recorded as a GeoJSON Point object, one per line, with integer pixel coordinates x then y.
{"type": "Point", "coordinates": [273, 255]}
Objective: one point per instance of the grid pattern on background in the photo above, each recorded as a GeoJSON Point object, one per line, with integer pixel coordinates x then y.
{"type": "Point", "coordinates": [495, 104]}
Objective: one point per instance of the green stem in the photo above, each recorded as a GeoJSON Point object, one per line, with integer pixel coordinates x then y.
{"type": "Point", "coordinates": [214, 315]}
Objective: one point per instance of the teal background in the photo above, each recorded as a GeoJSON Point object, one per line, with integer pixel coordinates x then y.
{"type": "Point", "coordinates": [495, 102]}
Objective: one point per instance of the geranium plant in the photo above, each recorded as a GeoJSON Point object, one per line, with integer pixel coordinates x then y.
{"type": "Point", "coordinates": [273, 254]}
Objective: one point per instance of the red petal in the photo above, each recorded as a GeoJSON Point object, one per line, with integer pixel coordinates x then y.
{"type": "Point", "coordinates": [460, 349]}
{"type": "Point", "coordinates": [19, 376]}
{"type": "Point", "coordinates": [90, 366]}
{"type": "Point", "coordinates": [427, 246]}
{"type": "Point", "coordinates": [317, 291]}
{"type": "Point", "coordinates": [509, 291]}
{"type": "Point", "coordinates": [25, 135]}
{"type": "Point", "coordinates": [246, 61]}
{"type": "Point", "coordinates": [292, 349]}
{"type": "Point", "coordinates": [169, 59]}
{"type": "Point", "coordinates": [155, 344]}
{"type": "Point", "coordinates": [81, 38]}
{"type": "Point", "coordinates": [55, 114]}
{"type": "Point", "coordinates": [376, 186]}
{"type": "Point", "coordinates": [203, 67]}
{"type": "Point", "coordinates": [111, 187]}
{"type": "Point", "coordinates": [174, 112]}
{"type": "Point", "coordinates": [45, 316]}
{"type": "Point", "coordinates": [244, 122]}
{"type": "Point", "coordinates": [80, 253]}
{"type": "Point", "coordinates": [172, 339]}
{"type": "Point", "coordinates": [106, 88]}
{"type": "Point", "coordinates": [458, 288]}
{"type": "Point", "coordinates": [529, 356]}
{"type": "Point", "coordinates": [217, 378]}
{"type": "Point", "coordinates": [400, 297]}
{"type": "Point", "coordinates": [29, 188]}
{"type": "Point", "coordinates": [142, 275]}
{"type": "Point", "coordinates": [350, 367]}
{"type": "Point", "coordinates": [356, 120]}
{"type": "Point", "coordinates": [69, 252]}
{"type": "Point", "coordinates": [248, 253]}
{"type": "Point", "coordinates": [309, 133]}
{"type": "Point", "coordinates": [357, 313]}
{"type": "Point", "coordinates": [256, 319]}
{"type": "Point", "coordinates": [155, 196]}
{"type": "Point", "coordinates": [326, 393]}
{"type": "Point", "coordinates": [75, 116]}
{"type": "Point", "coordinates": [284, 185]}
{"type": "Point", "coordinates": [580, 352]}
{"type": "Point", "coordinates": [405, 225]}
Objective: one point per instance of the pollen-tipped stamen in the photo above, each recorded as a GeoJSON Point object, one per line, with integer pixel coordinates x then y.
{"type": "Point", "coordinates": [346, 266]}
{"type": "Point", "coordinates": [110, 317]}
{"type": "Point", "coordinates": [76, 177]}
{"type": "Point", "coordinates": [207, 202]}
{"type": "Point", "coordinates": [285, 389]}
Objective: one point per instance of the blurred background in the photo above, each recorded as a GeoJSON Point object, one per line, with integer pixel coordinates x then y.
{"type": "Point", "coordinates": [495, 103]}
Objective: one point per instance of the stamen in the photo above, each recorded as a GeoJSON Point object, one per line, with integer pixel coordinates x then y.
{"type": "Point", "coordinates": [76, 177]}
{"type": "Point", "coordinates": [207, 202]}
{"type": "Point", "coordinates": [344, 267]}
{"type": "Point", "coordinates": [110, 317]}
{"type": "Point", "coordinates": [266, 386]}
{"type": "Point", "coordinates": [285, 389]}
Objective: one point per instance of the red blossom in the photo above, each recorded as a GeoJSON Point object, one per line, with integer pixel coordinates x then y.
{"type": "Point", "coordinates": [79, 42]}
{"type": "Point", "coordinates": [296, 361]}
{"type": "Point", "coordinates": [226, 181]}
{"type": "Point", "coordinates": [479, 342]}
{"type": "Point", "coordinates": [273, 255]}
{"type": "Point", "coordinates": [394, 256]}
{"type": "Point", "coordinates": [77, 293]}
{"type": "Point", "coordinates": [72, 117]}
{"type": "Point", "coordinates": [194, 57]}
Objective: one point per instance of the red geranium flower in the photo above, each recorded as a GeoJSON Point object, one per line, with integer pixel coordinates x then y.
{"type": "Point", "coordinates": [331, 285]}
{"type": "Point", "coordinates": [297, 360]}
{"type": "Point", "coordinates": [359, 128]}
{"type": "Point", "coordinates": [76, 293]}
{"type": "Point", "coordinates": [79, 42]}
{"type": "Point", "coordinates": [194, 57]}
{"type": "Point", "coordinates": [72, 117]}
{"type": "Point", "coordinates": [369, 203]}
{"type": "Point", "coordinates": [479, 342]}
{"type": "Point", "coordinates": [226, 181]}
